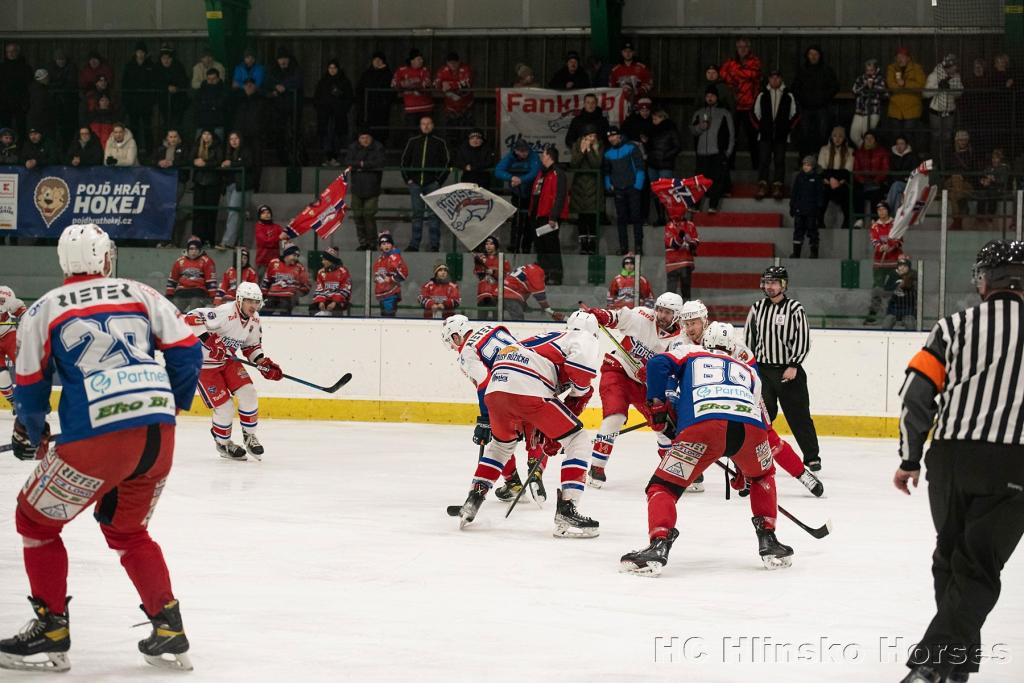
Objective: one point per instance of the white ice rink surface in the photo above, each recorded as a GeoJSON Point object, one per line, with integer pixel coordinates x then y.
{"type": "Point", "coordinates": [333, 560]}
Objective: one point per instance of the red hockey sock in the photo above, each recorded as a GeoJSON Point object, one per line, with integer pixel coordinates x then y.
{"type": "Point", "coordinates": [661, 511]}
{"type": "Point", "coordinates": [144, 562]}
{"type": "Point", "coordinates": [763, 498]}
{"type": "Point", "coordinates": [47, 568]}
{"type": "Point", "coordinates": [787, 458]}
{"type": "Point", "coordinates": [510, 467]}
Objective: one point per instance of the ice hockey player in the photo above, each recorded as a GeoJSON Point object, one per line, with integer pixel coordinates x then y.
{"type": "Point", "coordinates": [333, 286]}
{"type": "Point", "coordinates": [523, 391]}
{"type": "Point", "coordinates": [695, 323]}
{"type": "Point", "coordinates": [115, 447]}
{"type": "Point", "coordinates": [223, 330]}
{"type": "Point", "coordinates": [193, 280]}
{"type": "Point", "coordinates": [622, 290]}
{"type": "Point", "coordinates": [286, 281]}
{"type": "Point", "coordinates": [519, 285]}
{"type": "Point", "coordinates": [722, 420]}
{"type": "Point", "coordinates": [646, 333]}
{"type": "Point", "coordinates": [11, 310]}
{"type": "Point", "coordinates": [229, 282]}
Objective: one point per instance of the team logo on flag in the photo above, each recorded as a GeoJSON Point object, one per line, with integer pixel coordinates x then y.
{"type": "Point", "coordinates": [462, 207]}
{"type": "Point", "coordinates": [469, 211]}
{"type": "Point", "coordinates": [678, 195]}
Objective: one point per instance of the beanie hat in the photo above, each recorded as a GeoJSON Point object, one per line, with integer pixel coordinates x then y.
{"type": "Point", "coordinates": [262, 208]}
{"type": "Point", "coordinates": [628, 258]}
{"type": "Point", "coordinates": [809, 159]}
{"type": "Point", "coordinates": [289, 248]}
{"type": "Point", "coordinates": [440, 266]}
{"type": "Point", "coordinates": [493, 240]}
{"type": "Point", "coordinates": [331, 255]}
{"type": "Point", "coordinates": [413, 54]}
{"type": "Point", "coordinates": [385, 237]}
{"type": "Point", "coordinates": [194, 241]}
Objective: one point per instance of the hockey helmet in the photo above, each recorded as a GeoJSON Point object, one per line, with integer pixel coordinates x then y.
{"type": "Point", "coordinates": [1000, 265]}
{"type": "Point", "coordinates": [719, 336]}
{"type": "Point", "coordinates": [695, 310]}
{"type": "Point", "coordinates": [249, 291]}
{"type": "Point", "coordinates": [672, 302]}
{"type": "Point", "coordinates": [775, 273]}
{"type": "Point", "coordinates": [456, 324]}
{"type": "Point", "coordinates": [583, 322]}
{"type": "Point", "coordinates": [85, 249]}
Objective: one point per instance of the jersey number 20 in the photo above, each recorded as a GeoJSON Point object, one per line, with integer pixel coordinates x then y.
{"type": "Point", "coordinates": [107, 343]}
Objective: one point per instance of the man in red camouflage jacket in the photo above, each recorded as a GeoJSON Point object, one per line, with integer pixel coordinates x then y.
{"type": "Point", "coordinates": [742, 73]}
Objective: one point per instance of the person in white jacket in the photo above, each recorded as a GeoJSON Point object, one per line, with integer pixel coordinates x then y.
{"type": "Point", "coordinates": [944, 87]}
{"type": "Point", "coordinates": [121, 149]}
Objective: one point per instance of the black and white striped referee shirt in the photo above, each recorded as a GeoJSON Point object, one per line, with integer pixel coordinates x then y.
{"type": "Point", "coordinates": [778, 333]}
{"type": "Point", "coordinates": [973, 362]}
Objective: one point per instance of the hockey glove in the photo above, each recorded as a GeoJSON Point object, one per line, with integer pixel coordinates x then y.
{"type": "Point", "coordinates": [641, 374]}
{"type": "Point", "coordinates": [659, 415]}
{"type": "Point", "coordinates": [576, 404]}
{"type": "Point", "coordinates": [215, 347]}
{"type": "Point", "coordinates": [482, 431]}
{"type": "Point", "coordinates": [603, 316]}
{"type": "Point", "coordinates": [22, 446]}
{"type": "Point", "coordinates": [269, 369]}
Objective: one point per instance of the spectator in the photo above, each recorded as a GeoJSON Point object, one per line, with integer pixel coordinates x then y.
{"type": "Point", "coordinates": [623, 289]}
{"type": "Point", "coordinates": [524, 77]}
{"type": "Point", "coordinates": [206, 186]}
{"type": "Point", "coordinates": [413, 83]}
{"type": "Point", "coordinates": [333, 100]}
{"type": "Point", "coordinates": [993, 185]}
{"type": "Point", "coordinates": [836, 162]}
{"type": "Point", "coordinates": [90, 101]}
{"type": "Point", "coordinates": [901, 285]}
{"type": "Point", "coordinates": [137, 81]}
{"type": "Point", "coordinates": [40, 105]}
{"type": "Point", "coordinates": [904, 78]}
{"type": "Point", "coordinates": [285, 282]}
{"type": "Point", "coordinates": [64, 90]}
{"type": "Point", "coordinates": [518, 168]}
{"type": "Point", "coordinates": [960, 171]}
{"type": "Point", "coordinates": [174, 154]}
{"type": "Point", "coordinates": [713, 78]}
{"type": "Point", "coordinates": [681, 242]}
{"type": "Point", "coordinates": [37, 151]}
{"type": "Point", "coordinates": [571, 76]}
{"type": "Point", "coordinates": [366, 159]}
{"type": "Point", "coordinates": [102, 120]}
{"type": "Point", "coordinates": [86, 150]}
{"type": "Point", "coordinates": [774, 116]}
{"type": "Point", "coordinates": [247, 69]}
{"type": "Point", "coordinates": [10, 155]}
{"type": "Point", "coordinates": [270, 238]}
{"type": "Point", "coordinates": [902, 162]}
{"type": "Point", "coordinates": [869, 90]}
{"type": "Point", "coordinates": [120, 149]}
{"type": "Point", "coordinates": [586, 196]}
{"type": "Point", "coordinates": [475, 160]}
{"type": "Point", "coordinates": [229, 282]}
{"type": "Point", "coordinates": [333, 292]}
{"type": "Point", "coordinates": [742, 73]}
{"type": "Point", "coordinates": [389, 272]}
{"type": "Point", "coordinates": [439, 296]}
{"type": "Point", "coordinates": [549, 206]}
{"type": "Point", "coordinates": [193, 279]}
{"type": "Point", "coordinates": [455, 82]}
{"type": "Point", "coordinates": [807, 203]}
{"type": "Point", "coordinates": [1005, 103]}
{"type": "Point", "coordinates": [976, 104]}
{"type": "Point", "coordinates": [624, 177]}
{"type": "Point", "coordinates": [519, 285]}
{"type": "Point", "coordinates": [715, 140]}
{"type": "Point", "coordinates": [251, 116]}
{"type": "Point", "coordinates": [284, 89]}
{"type": "Point", "coordinates": [887, 252]}
{"type": "Point", "coordinates": [599, 71]}
{"type": "Point", "coordinates": [870, 172]}
{"type": "Point", "coordinates": [485, 267]}
{"type": "Point", "coordinates": [943, 86]}
{"type": "Point", "coordinates": [211, 104]}
{"type": "Point", "coordinates": [635, 79]}
{"type": "Point", "coordinates": [814, 88]}
{"type": "Point", "coordinates": [638, 125]}
{"type": "Point", "coordinates": [590, 116]}
{"type": "Point", "coordinates": [171, 81]}
{"type": "Point", "coordinates": [374, 98]}
{"type": "Point", "coordinates": [663, 146]}
{"type": "Point", "coordinates": [201, 69]}
{"type": "Point", "coordinates": [95, 67]}
{"type": "Point", "coordinates": [238, 158]}
{"type": "Point", "coordinates": [425, 165]}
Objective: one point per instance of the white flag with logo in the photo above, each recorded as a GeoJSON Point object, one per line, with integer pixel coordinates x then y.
{"type": "Point", "coordinates": [469, 211]}
{"type": "Point", "coordinates": [917, 197]}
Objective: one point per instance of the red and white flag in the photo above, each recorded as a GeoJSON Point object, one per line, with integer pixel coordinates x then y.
{"type": "Point", "coordinates": [917, 197]}
{"type": "Point", "coordinates": [679, 195]}
{"type": "Point", "coordinates": [324, 215]}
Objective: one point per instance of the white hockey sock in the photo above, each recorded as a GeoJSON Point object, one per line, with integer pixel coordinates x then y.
{"type": "Point", "coordinates": [492, 462]}
{"type": "Point", "coordinates": [605, 439]}
{"type": "Point", "coordinates": [575, 464]}
{"type": "Point", "coordinates": [223, 416]}
{"type": "Point", "coordinates": [248, 408]}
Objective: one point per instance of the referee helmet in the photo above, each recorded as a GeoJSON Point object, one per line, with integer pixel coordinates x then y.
{"type": "Point", "coordinates": [776, 273]}
{"type": "Point", "coordinates": [1000, 265]}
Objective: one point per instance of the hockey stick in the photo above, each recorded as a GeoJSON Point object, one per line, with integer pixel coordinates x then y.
{"type": "Point", "coordinates": [10, 447]}
{"type": "Point", "coordinates": [820, 532]}
{"type": "Point", "coordinates": [529, 476]}
{"type": "Point", "coordinates": [345, 379]}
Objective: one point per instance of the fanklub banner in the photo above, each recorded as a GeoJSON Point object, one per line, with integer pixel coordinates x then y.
{"type": "Point", "coordinates": [542, 117]}
{"type": "Point", "coordinates": [129, 203]}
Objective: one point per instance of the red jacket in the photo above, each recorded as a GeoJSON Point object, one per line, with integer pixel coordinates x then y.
{"type": "Point", "coordinates": [455, 85]}
{"type": "Point", "coordinates": [87, 76]}
{"type": "Point", "coordinates": [197, 273]}
{"type": "Point", "coordinates": [333, 285]}
{"type": "Point", "coordinates": [744, 78]}
{"type": "Point", "coordinates": [389, 270]}
{"type": "Point", "coordinates": [620, 292]}
{"type": "Point", "coordinates": [635, 78]}
{"type": "Point", "coordinates": [550, 194]}
{"type": "Point", "coordinates": [870, 165]}
{"type": "Point", "coordinates": [486, 269]}
{"type": "Point", "coordinates": [880, 238]}
{"type": "Point", "coordinates": [229, 283]}
{"type": "Point", "coordinates": [268, 246]}
{"type": "Point", "coordinates": [680, 245]}
{"type": "Point", "coordinates": [433, 292]}
{"type": "Point", "coordinates": [284, 280]}
{"type": "Point", "coordinates": [414, 86]}
{"type": "Point", "coordinates": [524, 281]}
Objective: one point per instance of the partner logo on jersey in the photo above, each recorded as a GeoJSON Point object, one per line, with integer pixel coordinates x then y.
{"type": "Point", "coordinates": [682, 458]}
{"type": "Point", "coordinates": [51, 198]}
{"type": "Point", "coordinates": [106, 382]}
{"type": "Point", "coordinates": [722, 392]}
{"type": "Point", "coordinates": [125, 407]}
{"type": "Point", "coordinates": [725, 407]}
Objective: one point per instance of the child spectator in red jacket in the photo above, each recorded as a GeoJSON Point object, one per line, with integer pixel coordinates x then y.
{"type": "Point", "coordinates": [389, 271]}
{"type": "Point", "coordinates": [333, 286]}
{"type": "Point", "coordinates": [228, 284]}
{"type": "Point", "coordinates": [485, 267]}
{"type": "Point", "coordinates": [888, 252]}
{"type": "Point", "coordinates": [285, 283]}
{"type": "Point", "coordinates": [622, 290]}
{"type": "Point", "coordinates": [193, 279]}
{"type": "Point", "coordinates": [681, 243]}
{"type": "Point", "coordinates": [439, 296]}
{"type": "Point", "coordinates": [270, 238]}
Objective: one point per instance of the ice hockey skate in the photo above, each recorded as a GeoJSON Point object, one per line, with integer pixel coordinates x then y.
{"type": "Point", "coordinates": [812, 482]}
{"type": "Point", "coordinates": [472, 505]}
{"type": "Point", "coordinates": [167, 645]}
{"type": "Point", "coordinates": [42, 645]}
{"type": "Point", "coordinates": [569, 523]}
{"type": "Point", "coordinates": [775, 555]}
{"type": "Point", "coordinates": [697, 486]}
{"type": "Point", "coordinates": [652, 559]}
{"type": "Point", "coordinates": [596, 477]}
{"type": "Point", "coordinates": [510, 489]}
{"type": "Point", "coordinates": [229, 450]}
{"type": "Point", "coordinates": [253, 445]}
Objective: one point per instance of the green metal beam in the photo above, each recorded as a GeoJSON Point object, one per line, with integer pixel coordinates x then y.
{"type": "Point", "coordinates": [1014, 22]}
{"type": "Point", "coordinates": [227, 23]}
{"type": "Point", "coordinates": [606, 28]}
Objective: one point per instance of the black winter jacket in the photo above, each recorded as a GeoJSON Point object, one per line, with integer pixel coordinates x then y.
{"type": "Point", "coordinates": [807, 197]}
{"type": "Point", "coordinates": [425, 151]}
{"type": "Point", "coordinates": [366, 162]}
{"type": "Point", "coordinates": [481, 161]}
{"type": "Point", "coordinates": [663, 145]}
{"type": "Point", "coordinates": [816, 84]}
{"type": "Point", "coordinates": [595, 119]}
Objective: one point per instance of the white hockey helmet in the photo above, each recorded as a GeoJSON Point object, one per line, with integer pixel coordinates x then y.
{"type": "Point", "coordinates": [249, 291]}
{"type": "Point", "coordinates": [85, 249]}
{"type": "Point", "coordinates": [719, 336]}
{"type": "Point", "coordinates": [672, 302]}
{"type": "Point", "coordinates": [582, 321]}
{"type": "Point", "coordinates": [695, 310]}
{"type": "Point", "coordinates": [454, 325]}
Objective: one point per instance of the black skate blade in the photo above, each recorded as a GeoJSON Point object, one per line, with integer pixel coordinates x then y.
{"type": "Point", "coordinates": [453, 510]}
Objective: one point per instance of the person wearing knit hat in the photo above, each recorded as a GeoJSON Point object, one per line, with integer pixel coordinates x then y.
{"type": "Point", "coordinates": [486, 269]}
{"type": "Point", "coordinates": [775, 116]}
{"type": "Point", "coordinates": [439, 296]}
{"type": "Point", "coordinates": [290, 249]}
{"type": "Point", "coordinates": [269, 237]}
{"type": "Point", "coordinates": [333, 286]}
{"type": "Point", "coordinates": [571, 76]}
{"type": "Point", "coordinates": [389, 272]}
{"type": "Point", "coordinates": [905, 79]}
{"type": "Point", "coordinates": [807, 201]}
{"type": "Point", "coordinates": [887, 253]}
{"type": "Point", "coordinates": [622, 290]}
{"type": "Point", "coordinates": [285, 282]}
{"type": "Point", "coordinates": [712, 126]}
{"type": "Point", "coordinates": [869, 92]}
{"type": "Point", "coordinates": [246, 69]}
{"type": "Point", "coordinates": [413, 83]}
{"type": "Point", "coordinates": [374, 95]}
{"type": "Point", "coordinates": [193, 279]}
{"type": "Point", "coordinates": [229, 282]}
{"type": "Point", "coordinates": [455, 82]}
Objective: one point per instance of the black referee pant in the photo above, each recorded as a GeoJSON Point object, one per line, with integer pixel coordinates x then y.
{"type": "Point", "coordinates": [796, 404]}
{"type": "Point", "coordinates": [976, 493]}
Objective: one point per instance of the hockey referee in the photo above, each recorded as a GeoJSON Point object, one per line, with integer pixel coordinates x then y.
{"type": "Point", "coordinates": [973, 364]}
{"type": "Point", "coordinates": [776, 331]}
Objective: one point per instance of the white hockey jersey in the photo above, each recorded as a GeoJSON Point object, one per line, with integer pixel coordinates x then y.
{"type": "Point", "coordinates": [11, 308]}
{"type": "Point", "coordinates": [236, 332]}
{"type": "Point", "coordinates": [642, 338]}
{"type": "Point", "coordinates": [546, 365]}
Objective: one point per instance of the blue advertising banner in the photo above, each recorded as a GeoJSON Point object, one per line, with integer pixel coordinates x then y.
{"type": "Point", "coordinates": [133, 203]}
